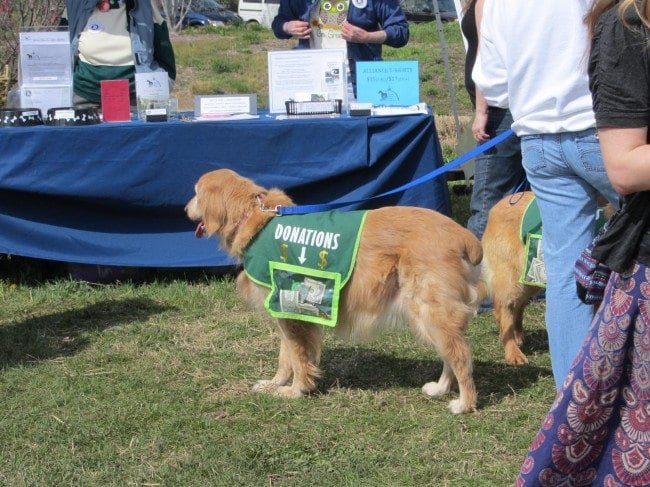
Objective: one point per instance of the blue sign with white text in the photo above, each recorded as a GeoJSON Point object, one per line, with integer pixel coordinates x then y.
{"type": "Point", "coordinates": [394, 83]}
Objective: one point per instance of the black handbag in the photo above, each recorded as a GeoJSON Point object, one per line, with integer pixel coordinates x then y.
{"type": "Point", "coordinates": [614, 248]}
{"type": "Point", "coordinates": [621, 239]}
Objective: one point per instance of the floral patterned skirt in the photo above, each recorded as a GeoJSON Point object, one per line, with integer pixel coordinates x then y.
{"type": "Point", "coordinates": [598, 429]}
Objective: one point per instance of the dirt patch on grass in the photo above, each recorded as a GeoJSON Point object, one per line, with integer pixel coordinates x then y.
{"type": "Point", "coordinates": [446, 126]}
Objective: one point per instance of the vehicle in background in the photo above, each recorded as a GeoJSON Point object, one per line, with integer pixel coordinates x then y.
{"type": "Point", "coordinates": [195, 19]}
{"type": "Point", "coordinates": [260, 12]}
{"type": "Point", "coordinates": [423, 10]}
{"type": "Point", "coordinates": [217, 13]}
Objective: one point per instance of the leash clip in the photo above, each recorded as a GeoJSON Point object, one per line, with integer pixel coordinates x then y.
{"type": "Point", "coordinates": [277, 210]}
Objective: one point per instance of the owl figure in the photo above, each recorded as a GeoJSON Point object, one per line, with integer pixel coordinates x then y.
{"type": "Point", "coordinates": [330, 13]}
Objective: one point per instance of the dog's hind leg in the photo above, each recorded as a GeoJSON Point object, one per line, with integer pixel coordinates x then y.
{"type": "Point", "coordinates": [300, 355]}
{"type": "Point", "coordinates": [509, 305]}
{"type": "Point", "coordinates": [457, 361]}
{"type": "Point", "coordinates": [447, 335]}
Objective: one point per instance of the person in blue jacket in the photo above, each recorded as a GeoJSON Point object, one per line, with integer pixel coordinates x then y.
{"type": "Point", "coordinates": [363, 25]}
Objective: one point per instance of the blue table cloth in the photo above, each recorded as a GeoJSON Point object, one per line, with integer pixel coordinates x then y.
{"type": "Point", "coordinates": [114, 193]}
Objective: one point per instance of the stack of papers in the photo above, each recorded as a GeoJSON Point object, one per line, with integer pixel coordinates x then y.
{"type": "Point", "coordinates": [213, 117]}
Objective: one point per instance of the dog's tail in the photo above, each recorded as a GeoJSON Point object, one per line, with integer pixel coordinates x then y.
{"type": "Point", "coordinates": [484, 289]}
{"type": "Point", "coordinates": [473, 251]}
{"type": "Point", "coordinates": [474, 256]}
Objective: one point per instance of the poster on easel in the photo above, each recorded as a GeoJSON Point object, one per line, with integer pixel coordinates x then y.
{"type": "Point", "coordinates": [319, 73]}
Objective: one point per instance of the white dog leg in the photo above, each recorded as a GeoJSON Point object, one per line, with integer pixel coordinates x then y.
{"type": "Point", "coordinates": [443, 386]}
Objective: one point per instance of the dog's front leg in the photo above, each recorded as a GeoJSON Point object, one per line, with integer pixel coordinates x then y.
{"type": "Point", "coordinates": [301, 346]}
{"type": "Point", "coordinates": [283, 374]}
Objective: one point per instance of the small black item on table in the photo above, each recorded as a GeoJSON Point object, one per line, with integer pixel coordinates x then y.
{"type": "Point", "coordinates": [20, 117]}
{"type": "Point", "coordinates": [72, 116]}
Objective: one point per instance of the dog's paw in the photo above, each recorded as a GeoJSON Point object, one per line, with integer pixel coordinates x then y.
{"type": "Point", "coordinates": [267, 386]}
{"type": "Point", "coordinates": [514, 356]}
{"type": "Point", "coordinates": [288, 391]}
{"type": "Point", "coordinates": [435, 389]}
{"type": "Point", "coordinates": [458, 407]}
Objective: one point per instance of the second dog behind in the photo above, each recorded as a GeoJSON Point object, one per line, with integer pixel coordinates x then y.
{"type": "Point", "coordinates": [503, 261]}
{"type": "Point", "coordinates": [502, 267]}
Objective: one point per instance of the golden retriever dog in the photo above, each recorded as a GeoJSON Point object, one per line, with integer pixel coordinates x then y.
{"type": "Point", "coordinates": [414, 267]}
{"type": "Point", "coordinates": [502, 266]}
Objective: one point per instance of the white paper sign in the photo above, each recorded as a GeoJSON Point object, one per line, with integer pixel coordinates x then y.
{"type": "Point", "coordinates": [45, 58]}
{"type": "Point", "coordinates": [45, 97]}
{"type": "Point", "coordinates": [152, 86]}
{"type": "Point", "coordinates": [225, 104]}
{"type": "Point", "coordinates": [306, 71]}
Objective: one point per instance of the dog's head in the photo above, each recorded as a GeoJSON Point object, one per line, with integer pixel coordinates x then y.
{"type": "Point", "coordinates": [232, 207]}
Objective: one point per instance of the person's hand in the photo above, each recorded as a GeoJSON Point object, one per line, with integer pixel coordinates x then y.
{"type": "Point", "coordinates": [352, 33]}
{"type": "Point", "coordinates": [297, 28]}
{"type": "Point", "coordinates": [478, 127]}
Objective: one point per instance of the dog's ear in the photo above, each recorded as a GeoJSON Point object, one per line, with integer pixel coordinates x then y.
{"type": "Point", "coordinates": [224, 196]}
{"type": "Point", "coordinates": [211, 207]}
{"type": "Point", "coordinates": [227, 200]}
{"type": "Point", "coordinates": [276, 197]}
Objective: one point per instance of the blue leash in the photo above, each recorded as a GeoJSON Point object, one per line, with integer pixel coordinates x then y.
{"type": "Point", "coordinates": [303, 209]}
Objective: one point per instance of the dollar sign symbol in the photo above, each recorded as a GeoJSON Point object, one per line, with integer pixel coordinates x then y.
{"type": "Point", "coordinates": [323, 259]}
{"type": "Point", "coordinates": [283, 252]}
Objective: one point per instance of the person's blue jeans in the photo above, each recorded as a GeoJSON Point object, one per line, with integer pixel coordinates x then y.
{"type": "Point", "coordinates": [497, 172]}
{"type": "Point", "coordinates": [566, 173]}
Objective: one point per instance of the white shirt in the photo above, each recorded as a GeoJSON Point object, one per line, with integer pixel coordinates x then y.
{"type": "Point", "coordinates": [533, 59]}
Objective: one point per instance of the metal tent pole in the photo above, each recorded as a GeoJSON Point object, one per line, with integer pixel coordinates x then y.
{"type": "Point", "coordinates": [445, 57]}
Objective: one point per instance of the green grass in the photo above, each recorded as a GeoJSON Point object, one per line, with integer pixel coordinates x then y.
{"type": "Point", "coordinates": [148, 383]}
{"type": "Point", "coordinates": [232, 59]}
{"type": "Point", "coordinates": [140, 384]}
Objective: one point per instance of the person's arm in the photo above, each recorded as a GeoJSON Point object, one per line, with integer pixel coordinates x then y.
{"type": "Point", "coordinates": [481, 112]}
{"type": "Point", "coordinates": [490, 74]}
{"type": "Point", "coordinates": [300, 29]}
{"type": "Point", "coordinates": [391, 27]}
{"type": "Point", "coordinates": [288, 23]}
{"type": "Point", "coordinates": [480, 118]}
{"type": "Point", "coordinates": [626, 154]}
{"type": "Point", "coordinates": [352, 33]}
{"type": "Point", "coordinates": [618, 74]}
